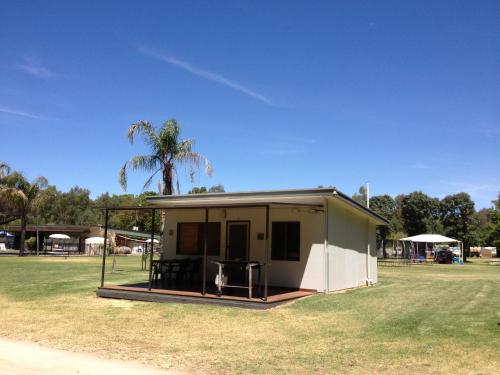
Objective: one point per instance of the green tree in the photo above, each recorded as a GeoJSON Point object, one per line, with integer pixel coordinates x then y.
{"type": "Point", "coordinates": [419, 213]}
{"type": "Point", "coordinates": [458, 219]}
{"type": "Point", "coordinates": [7, 214]}
{"type": "Point", "coordinates": [200, 190]}
{"type": "Point", "coordinates": [145, 221]}
{"type": "Point", "coordinates": [217, 189]}
{"type": "Point", "coordinates": [46, 208]}
{"type": "Point", "coordinates": [21, 195]}
{"type": "Point", "coordinates": [167, 153]}
{"type": "Point", "coordinates": [361, 195]}
{"type": "Point", "coordinates": [385, 206]}
{"type": "Point", "coordinates": [123, 219]}
{"type": "Point", "coordinates": [74, 207]}
{"type": "Point", "coordinates": [492, 231]}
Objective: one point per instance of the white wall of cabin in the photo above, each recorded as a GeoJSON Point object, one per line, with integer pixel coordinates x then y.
{"type": "Point", "coordinates": [308, 273]}
{"type": "Point", "coordinates": [350, 235]}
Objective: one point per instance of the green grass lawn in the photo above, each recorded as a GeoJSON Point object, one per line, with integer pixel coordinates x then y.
{"type": "Point", "coordinates": [426, 319]}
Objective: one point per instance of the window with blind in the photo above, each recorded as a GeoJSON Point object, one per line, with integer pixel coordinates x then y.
{"type": "Point", "coordinates": [190, 238]}
{"type": "Point", "coordinates": [285, 240]}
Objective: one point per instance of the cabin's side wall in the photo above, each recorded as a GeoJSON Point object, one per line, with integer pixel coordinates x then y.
{"type": "Point", "coordinates": [373, 252]}
{"type": "Point", "coordinates": [308, 273]}
{"type": "Point", "coordinates": [350, 237]}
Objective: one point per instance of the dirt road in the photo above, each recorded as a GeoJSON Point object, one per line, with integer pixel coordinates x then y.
{"type": "Point", "coordinates": [26, 358]}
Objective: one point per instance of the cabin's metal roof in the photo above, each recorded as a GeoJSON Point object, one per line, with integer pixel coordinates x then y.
{"type": "Point", "coordinates": [262, 197]}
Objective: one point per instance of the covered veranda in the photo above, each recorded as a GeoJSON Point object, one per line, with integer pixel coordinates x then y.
{"type": "Point", "coordinates": [256, 293]}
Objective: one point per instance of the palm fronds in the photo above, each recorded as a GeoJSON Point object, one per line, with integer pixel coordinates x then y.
{"type": "Point", "coordinates": [167, 151]}
{"type": "Point", "coordinates": [141, 162]}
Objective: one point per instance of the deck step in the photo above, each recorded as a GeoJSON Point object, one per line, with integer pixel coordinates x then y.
{"type": "Point", "coordinates": [148, 296]}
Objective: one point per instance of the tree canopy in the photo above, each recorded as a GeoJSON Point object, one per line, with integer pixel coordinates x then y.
{"type": "Point", "coordinates": [419, 213]}
{"type": "Point", "coordinates": [167, 154]}
{"type": "Point", "coordinates": [454, 216]}
{"type": "Point", "coordinates": [457, 215]}
{"type": "Point", "coordinates": [202, 189]}
{"type": "Point", "coordinates": [18, 196]}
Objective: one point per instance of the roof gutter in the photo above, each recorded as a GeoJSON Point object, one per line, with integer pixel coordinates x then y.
{"type": "Point", "coordinates": [270, 193]}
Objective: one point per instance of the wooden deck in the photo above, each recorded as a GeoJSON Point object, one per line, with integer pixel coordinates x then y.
{"type": "Point", "coordinates": [140, 292]}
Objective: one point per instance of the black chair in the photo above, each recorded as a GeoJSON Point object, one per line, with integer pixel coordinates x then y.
{"type": "Point", "coordinates": [165, 269]}
{"type": "Point", "coordinates": [175, 272]}
{"type": "Point", "coordinates": [191, 270]}
{"type": "Point", "coordinates": [156, 271]}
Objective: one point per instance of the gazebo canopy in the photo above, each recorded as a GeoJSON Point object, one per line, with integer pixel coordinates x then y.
{"type": "Point", "coordinates": [59, 236]}
{"type": "Point", "coordinates": [429, 238]}
{"type": "Point", "coordinates": [94, 241]}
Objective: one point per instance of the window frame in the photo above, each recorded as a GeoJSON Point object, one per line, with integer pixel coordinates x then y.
{"type": "Point", "coordinates": [286, 250]}
{"type": "Point", "coordinates": [200, 224]}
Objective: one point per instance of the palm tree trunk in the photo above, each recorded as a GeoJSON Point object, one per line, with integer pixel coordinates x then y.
{"type": "Point", "coordinates": [23, 234]}
{"type": "Point", "coordinates": [168, 189]}
{"type": "Point", "coordinates": [168, 183]}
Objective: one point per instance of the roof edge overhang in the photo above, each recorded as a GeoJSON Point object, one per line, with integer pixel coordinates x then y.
{"type": "Point", "coordinates": [203, 200]}
{"type": "Point", "coordinates": [50, 228]}
{"type": "Point", "coordinates": [378, 219]}
{"type": "Point", "coordinates": [246, 194]}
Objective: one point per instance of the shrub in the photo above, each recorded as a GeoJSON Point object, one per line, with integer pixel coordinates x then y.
{"type": "Point", "coordinates": [30, 243]}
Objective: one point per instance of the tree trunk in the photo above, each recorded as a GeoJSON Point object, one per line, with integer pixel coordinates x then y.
{"type": "Point", "coordinates": [168, 184]}
{"type": "Point", "coordinates": [23, 234]}
{"type": "Point", "coordinates": [168, 188]}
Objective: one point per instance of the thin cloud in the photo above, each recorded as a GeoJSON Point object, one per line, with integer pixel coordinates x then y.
{"type": "Point", "coordinates": [491, 130]}
{"type": "Point", "coordinates": [419, 165]}
{"type": "Point", "coordinates": [211, 76]}
{"type": "Point", "coordinates": [14, 112]}
{"type": "Point", "coordinates": [35, 69]}
{"type": "Point", "coordinates": [472, 188]}
{"type": "Point", "coordinates": [308, 141]}
{"type": "Point", "coordinates": [280, 151]}
{"type": "Point", "coordinates": [279, 145]}
{"type": "Point", "coordinates": [481, 193]}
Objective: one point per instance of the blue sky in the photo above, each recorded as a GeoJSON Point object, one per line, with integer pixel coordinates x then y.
{"type": "Point", "coordinates": [282, 94]}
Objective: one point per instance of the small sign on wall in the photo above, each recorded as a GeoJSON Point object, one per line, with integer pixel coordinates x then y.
{"type": "Point", "coordinates": [260, 236]}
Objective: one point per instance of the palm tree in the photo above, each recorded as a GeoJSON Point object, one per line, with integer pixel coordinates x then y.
{"type": "Point", "coordinates": [5, 214]}
{"type": "Point", "coordinates": [20, 195]}
{"type": "Point", "coordinates": [167, 153]}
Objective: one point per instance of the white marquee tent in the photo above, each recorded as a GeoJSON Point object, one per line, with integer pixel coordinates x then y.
{"type": "Point", "coordinates": [94, 241]}
{"type": "Point", "coordinates": [60, 236]}
{"type": "Point", "coordinates": [60, 240]}
{"type": "Point", "coordinates": [94, 245]}
{"type": "Point", "coordinates": [435, 239]}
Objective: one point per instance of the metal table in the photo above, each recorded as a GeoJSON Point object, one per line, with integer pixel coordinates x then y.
{"type": "Point", "coordinates": [249, 267]}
